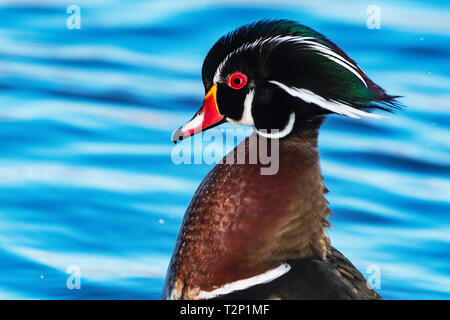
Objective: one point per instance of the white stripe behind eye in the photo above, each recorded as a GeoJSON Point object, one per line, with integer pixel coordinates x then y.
{"type": "Point", "coordinates": [310, 42]}
{"type": "Point", "coordinates": [333, 56]}
{"type": "Point", "coordinates": [332, 105]}
{"type": "Point", "coordinates": [246, 283]}
{"type": "Point", "coordinates": [346, 66]}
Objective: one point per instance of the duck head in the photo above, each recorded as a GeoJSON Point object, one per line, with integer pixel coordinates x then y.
{"type": "Point", "coordinates": [278, 75]}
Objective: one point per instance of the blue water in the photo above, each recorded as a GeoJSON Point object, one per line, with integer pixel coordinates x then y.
{"type": "Point", "coordinates": [86, 116]}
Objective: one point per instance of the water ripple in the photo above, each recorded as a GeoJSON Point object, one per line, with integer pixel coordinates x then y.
{"type": "Point", "coordinates": [85, 123]}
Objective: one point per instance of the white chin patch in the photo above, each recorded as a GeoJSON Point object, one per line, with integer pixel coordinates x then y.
{"type": "Point", "coordinates": [247, 119]}
{"type": "Point", "coordinates": [278, 134]}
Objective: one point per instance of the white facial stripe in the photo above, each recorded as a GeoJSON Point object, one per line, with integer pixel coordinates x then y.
{"type": "Point", "coordinates": [309, 41]}
{"type": "Point", "coordinates": [193, 123]}
{"type": "Point", "coordinates": [332, 105]}
{"type": "Point", "coordinates": [346, 66]}
{"type": "Point", "coordinates": [312, 44]}
{"type": "Point", "coordinates": [246, 283]}
{"type": "Point", "coordinates": [333, 56]}
{"type": "Point", "coordinates": [240, 49]}
{"type": "Point", "coordinates": [282, 133]}
{"type": "Point", "coordinates": [326, 50]}
{"type": "Point", "coordinates": [247, 119]}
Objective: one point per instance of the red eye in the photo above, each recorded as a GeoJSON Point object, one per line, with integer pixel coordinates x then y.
{"type": "Point", "coordinates": [237, 80]}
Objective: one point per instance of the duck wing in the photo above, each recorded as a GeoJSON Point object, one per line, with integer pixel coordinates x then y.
{"type": "Point", "coordinates": [335, 278]}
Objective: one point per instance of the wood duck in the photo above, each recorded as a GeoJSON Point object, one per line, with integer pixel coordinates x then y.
{"type": "Point", "coordinates": [251, 236]}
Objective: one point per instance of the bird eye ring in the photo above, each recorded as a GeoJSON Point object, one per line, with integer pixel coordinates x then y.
{"type": "Point", "coordinates": [237, 80]}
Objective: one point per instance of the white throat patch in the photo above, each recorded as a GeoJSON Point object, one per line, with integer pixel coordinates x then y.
{"type": "Point", "coordinates": [282, 133]}
{"type": "Point", "coordinates": [246, 119]}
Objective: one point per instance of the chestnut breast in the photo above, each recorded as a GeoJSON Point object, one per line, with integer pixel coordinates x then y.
{"type": "Point", "coordinates": [241, 223]}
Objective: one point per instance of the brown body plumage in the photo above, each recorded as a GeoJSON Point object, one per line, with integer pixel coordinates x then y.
{"type": "Point", "coordinates": [240, 223]}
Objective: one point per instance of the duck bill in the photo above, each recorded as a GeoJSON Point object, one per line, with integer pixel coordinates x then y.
{"type": "Point", "coordinates": [207, 117]}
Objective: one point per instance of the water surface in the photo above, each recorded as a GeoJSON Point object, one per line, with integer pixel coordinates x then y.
{"type": "Point", "coordinates": [86, 116]}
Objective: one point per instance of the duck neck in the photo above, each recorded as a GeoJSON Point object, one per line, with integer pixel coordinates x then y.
{"type": "Point", "coordinates": [302, 219]}
{"type": "Point", "coordinates": [286, 217]}
{"type": "Point", "coordinates": [241, 223]}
